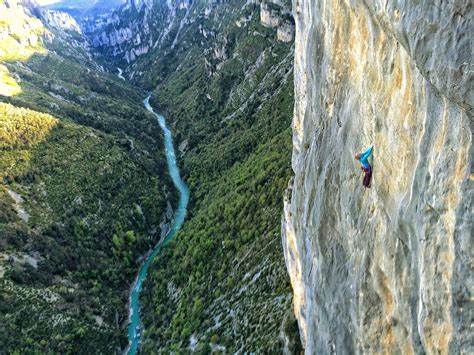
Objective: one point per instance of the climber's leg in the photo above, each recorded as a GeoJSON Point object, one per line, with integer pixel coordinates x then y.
{"type": "Point", "coordinates": [367, 177]}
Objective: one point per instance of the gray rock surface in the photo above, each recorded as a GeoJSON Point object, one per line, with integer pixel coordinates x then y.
{"type": "Point", "coordinates": [286, 32]}
{"type": "Point", "coordinates": [59, 20]}
{"type": "Point", "coordinates": [270, 15]}
{"type": "Point", "coordinates": [18, 205]}
{"type": "Point", "coordinates": [133, 29]}
{"type": "Point", "coordinates": [387, 269]}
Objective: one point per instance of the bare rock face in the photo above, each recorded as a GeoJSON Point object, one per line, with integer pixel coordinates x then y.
{"type": "Point", "coordinates": [270, 14]}
{"type": "Point", "coordinates": [387, 269]}
{"type": "Point", "coordinates": [136, 27]}
{"type": "Point", "coordinates": [59, 20]}
{"type": "Point", "coordinates": [286, 32]}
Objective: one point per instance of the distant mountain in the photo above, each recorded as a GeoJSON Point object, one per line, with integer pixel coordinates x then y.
{"type": "Point", "coordinates": [83, 8]}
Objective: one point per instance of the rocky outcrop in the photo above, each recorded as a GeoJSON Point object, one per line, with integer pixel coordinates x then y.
{"type": "Point", "coordinates": [135, 28]}
{"type": "Point", "coordinates": [286, 32]}
{"type": "Point", "coordinates": [113, 38]}
{"type": "Point", "coordinates": [270, 14]}
{"type": "Point", "coordinates": [277, 14]}
{"type": "Point", "coordinates": [58, 20]}
{"type": "Point", "coordinates": [387, 269]}
{"type": "Point", "coordinates": [26, 29]}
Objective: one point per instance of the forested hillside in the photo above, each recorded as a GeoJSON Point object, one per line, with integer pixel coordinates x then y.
{"type": "Point", "coordinates": [222, 75]}
{"type": "Point", "coordinates": [83, 190]}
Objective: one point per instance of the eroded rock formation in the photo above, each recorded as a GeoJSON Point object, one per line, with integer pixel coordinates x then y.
{"type": "Point", "coordinates": [286, 31]}
{"type": "Point", "coordinates": [386, 269]}
{"type": "Point", "coordinates": [58, 20]}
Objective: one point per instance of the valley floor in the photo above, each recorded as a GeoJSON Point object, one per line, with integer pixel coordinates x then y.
{"type": "Point", "coordinates": [85, 192]}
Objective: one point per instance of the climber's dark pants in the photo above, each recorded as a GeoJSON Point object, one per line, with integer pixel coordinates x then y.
{"type": "Point", "coordinates": [367, 176]}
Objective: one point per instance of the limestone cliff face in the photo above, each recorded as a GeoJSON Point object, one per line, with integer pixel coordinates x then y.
{"type": "Point", "coordinates": [277, 14]}
{"type": "Point", "coordinates": [135, 28]}
{"type": "Point", "coordinates": [140, 27]}
{"type": "Point", "coordinates": [59, 20]}
{"type": "Point", "coordinates": [387, 269]}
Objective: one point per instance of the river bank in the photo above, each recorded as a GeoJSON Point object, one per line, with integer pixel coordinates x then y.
{"type": "Point", "coordinates": [134, 326]}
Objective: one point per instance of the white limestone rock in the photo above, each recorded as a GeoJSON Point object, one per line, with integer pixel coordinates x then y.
{"type": "Point", "coordinates": [270, 14]}
{"type": "Point", "coordinates": [383, 270]}
{"type": "Point", "coordinates": [59, 20]}
{"type": "Point", "coordinates": [286, 32]}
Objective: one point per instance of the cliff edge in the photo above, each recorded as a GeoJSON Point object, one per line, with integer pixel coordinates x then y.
{"type": "Point", "coordinates": [387, 269]}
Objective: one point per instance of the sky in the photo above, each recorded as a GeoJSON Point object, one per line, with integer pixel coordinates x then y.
{"type": "Point", "coordinates": [47, 2]}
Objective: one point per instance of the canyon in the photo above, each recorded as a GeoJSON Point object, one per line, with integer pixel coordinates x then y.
{"type": "Point", "coordinates": [267, 102]}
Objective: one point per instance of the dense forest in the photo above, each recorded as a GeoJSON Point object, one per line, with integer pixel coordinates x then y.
{"type": "Point", "coordinates": [83, 191]}
{"type": "Point", "coordinates": [222, 281]}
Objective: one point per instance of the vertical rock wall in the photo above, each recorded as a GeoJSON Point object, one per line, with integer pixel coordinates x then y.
{"type": "Point", "coordinates": [387, 269]}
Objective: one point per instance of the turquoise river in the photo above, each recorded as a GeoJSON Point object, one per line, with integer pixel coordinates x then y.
{"type": "Point", "coordinates": [135, 326]}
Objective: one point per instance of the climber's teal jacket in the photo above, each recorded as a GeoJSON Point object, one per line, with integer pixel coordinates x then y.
{"type": "Point", "coordinates": [364, 157]}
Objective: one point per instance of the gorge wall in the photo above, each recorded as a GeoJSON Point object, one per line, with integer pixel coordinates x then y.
{"type": "Point", "coordinates": [385, 269]}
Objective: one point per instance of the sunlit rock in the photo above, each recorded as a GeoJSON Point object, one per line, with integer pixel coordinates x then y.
{"type": "Point", "coordinates": [386, 269]}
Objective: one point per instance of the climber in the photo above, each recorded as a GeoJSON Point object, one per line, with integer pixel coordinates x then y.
{"type": "Point", "coordinates": [366, 168]}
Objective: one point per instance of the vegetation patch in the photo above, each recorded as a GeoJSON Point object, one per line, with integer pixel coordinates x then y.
{"type": "Point", "coordinates": [21, 33]}
{"type": "Point", "coordinates": [221, 284]}
{"type": "Point", "coordinates": [87, 162]}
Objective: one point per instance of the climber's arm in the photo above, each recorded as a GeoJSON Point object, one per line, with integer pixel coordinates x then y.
{"type": "Point", "coordinates": [368, 152]}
